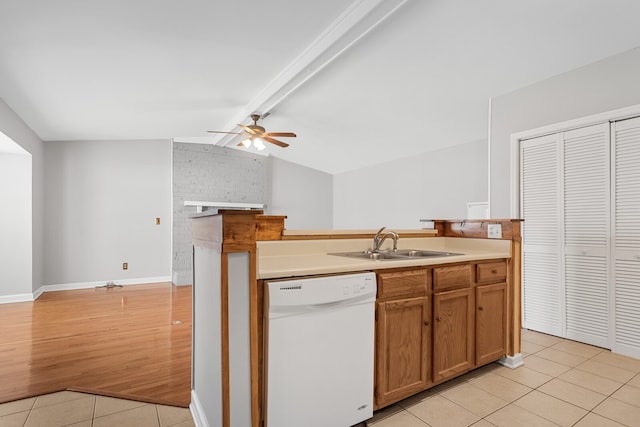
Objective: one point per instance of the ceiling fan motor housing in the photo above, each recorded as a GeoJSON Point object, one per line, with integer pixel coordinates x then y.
{"type": "Point", "coordinates": [254, 126]}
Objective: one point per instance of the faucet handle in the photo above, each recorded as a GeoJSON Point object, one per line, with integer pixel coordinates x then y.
{"type": "Point", "coordinates": [381, 230]}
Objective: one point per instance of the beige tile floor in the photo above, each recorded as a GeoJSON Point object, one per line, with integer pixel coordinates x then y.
{"type": "Point", "coordinates": [68, 408]}
{"type": "Point", "coordinates": [563, 383]}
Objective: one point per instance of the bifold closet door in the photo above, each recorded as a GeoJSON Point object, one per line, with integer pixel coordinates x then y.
{"type": "Point", "coordinates": [586, 212]}
{"type": "Point", "coordinates": [565, 187]}
{"type": "Point", "coordinates": [540, 186]}
{"type": "Point", "coordinates": [626, 149]}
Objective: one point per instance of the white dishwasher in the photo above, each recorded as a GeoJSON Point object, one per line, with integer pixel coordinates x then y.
{"type": "Point", "coordinates": [319, 350]}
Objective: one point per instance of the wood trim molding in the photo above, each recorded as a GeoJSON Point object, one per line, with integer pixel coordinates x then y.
{"type": "Point", "coordinates": [356, 235]}
{"type": "Point", "coordinates": [514, 295]}
{"type": "Point", "coordinates": [477, 228]}
{"type": "Point", "coordinates": [269, 227]}
{"type": "Point", "coordinates": [255, 333]}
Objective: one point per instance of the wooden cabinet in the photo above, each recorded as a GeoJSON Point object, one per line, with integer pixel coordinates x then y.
{"type": "Point", "coordinates": [491, 311]}
{"type": "Point", "coordinates": [426, 336]}
{"type": "Point", "coordinates": [491, 272]}
{"type": "Point", "coordinates": [452, 333]}
{"type": "Point", "coordinates": [491, 322]}
{"type": "Point", "coordinates": [402, 283]}
{"type": "Point", "coordinates": [402, 348]}
{"type": "Point", "coordinates": [451, 277]}
{"type": "Point", "coordinates": [403, 334]}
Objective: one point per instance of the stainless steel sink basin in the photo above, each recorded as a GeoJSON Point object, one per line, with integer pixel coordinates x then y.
{"type": "Point", "coordinates": [400, 254]}
{"type": "Point", "coordinates": [418, 253]}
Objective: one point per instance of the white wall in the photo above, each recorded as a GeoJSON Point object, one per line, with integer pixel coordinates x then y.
{"type": "Point", "coordinates": [602, 86]}
{"type": "Point", "coordinates": [15, 225]}
{"type": "Point", "coordinates": [398, 194]}
{"type": "Point", "coordinates": [101, 202]}
{"type": "Point", "coordinates": [13, 127]}
{"type": "Point", "coordinates": [303, 194]}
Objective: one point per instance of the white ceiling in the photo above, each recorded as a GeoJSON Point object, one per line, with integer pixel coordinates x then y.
{"type": "Point", "coordinates": [388, 87]}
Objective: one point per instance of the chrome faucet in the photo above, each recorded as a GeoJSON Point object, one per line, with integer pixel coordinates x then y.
{"type": "Point", "coordinates": [379, 238]}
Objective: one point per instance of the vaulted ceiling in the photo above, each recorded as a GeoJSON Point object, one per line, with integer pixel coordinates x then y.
{"type": "Point", "coordinates": [361, 82]}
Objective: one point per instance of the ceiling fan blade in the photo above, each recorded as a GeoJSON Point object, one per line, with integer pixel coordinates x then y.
{"type": "Point", "coordinates": [247, 129]}
{"type": "Point", "coordinates": [274, 141]}
{"type": "Point", "coordinates": [287, 134]}
{"type": "Point", "coordinates": [219, 131]}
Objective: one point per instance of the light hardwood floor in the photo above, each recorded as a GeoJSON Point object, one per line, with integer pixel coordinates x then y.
{"type": "Point", "coordinates": [132, 342]}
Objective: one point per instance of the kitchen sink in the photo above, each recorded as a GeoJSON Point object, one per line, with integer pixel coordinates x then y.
{"type": "Point", "coordinates": [400, 254]}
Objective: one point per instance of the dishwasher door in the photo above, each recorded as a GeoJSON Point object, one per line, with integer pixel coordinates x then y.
{"type": "Point", "coordinates": [319, 351]}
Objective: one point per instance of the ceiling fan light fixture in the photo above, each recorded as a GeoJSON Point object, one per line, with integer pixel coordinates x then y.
{"type": "Point", "coordinates": [257, 142]}
{"type": "Point", "coordinates": [246, 143]}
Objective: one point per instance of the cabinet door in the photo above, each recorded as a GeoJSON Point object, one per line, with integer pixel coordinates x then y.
{"type": "Point", "coordinates": [453, 333]}
{"type": "Point", "coordinates": [402, 350]}
{"type": "Point", "coordinates": [491, 322]}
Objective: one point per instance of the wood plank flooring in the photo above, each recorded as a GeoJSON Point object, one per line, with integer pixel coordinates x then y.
{"type": "Point", "coordinates": [132, 342]}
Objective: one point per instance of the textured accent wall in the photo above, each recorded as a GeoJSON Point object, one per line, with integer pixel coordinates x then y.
{"type": "Point", "coordinates": [206, 172]}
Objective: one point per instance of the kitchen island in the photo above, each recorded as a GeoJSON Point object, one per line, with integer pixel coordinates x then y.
{"type": "Point", "coordinates": [476, 292]}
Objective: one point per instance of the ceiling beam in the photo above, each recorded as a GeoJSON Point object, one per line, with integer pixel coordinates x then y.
{"type": "Point", "coordinates": [361, 17]}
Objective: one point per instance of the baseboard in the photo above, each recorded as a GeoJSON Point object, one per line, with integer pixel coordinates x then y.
{"type": "Point", "coordinates": [197, 412]}
{"type": "Point", "coordinates": [6, 299]}
{"type": "Point", "coordinates": [87, 285]}
{"type": "Point", "coordinates": [512, 361]}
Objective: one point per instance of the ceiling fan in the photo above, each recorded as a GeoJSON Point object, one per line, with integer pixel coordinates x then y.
{"type": "Point", "coordinates": [257, 134]}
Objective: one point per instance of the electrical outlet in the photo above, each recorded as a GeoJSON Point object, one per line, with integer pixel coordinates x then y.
{"type": "Point", "coordinates": [157, 221]}
{"type": "Point", "coordinates": [494, 231]}
{"type": "Point", "coordinates": [125, 265]}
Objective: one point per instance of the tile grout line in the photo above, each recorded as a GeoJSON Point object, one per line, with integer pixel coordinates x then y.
{"type": "Point", "coordinates": [590, 411]}
{"type": "Point", "coordinates": [557, 377]}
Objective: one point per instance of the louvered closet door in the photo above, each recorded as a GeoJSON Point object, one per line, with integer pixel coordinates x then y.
{"type": "Point", "coordinates": [586, 227]}
{"type": "Point", "coordinates": [541, 231]}
{"type": "Point", "coordinates": [626, 148]}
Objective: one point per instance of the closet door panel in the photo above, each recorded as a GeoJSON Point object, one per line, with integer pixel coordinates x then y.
{"type": "Point", "coordinates": [586, 294]}
{"type": "Point", "coordinates": [541, 294]}
{"type": "Point", "coordinates": [626, 148]}
{"type": "Point", "coordinates": [541, 231]}
{"type": "Point", "coordinates": [586, 209]}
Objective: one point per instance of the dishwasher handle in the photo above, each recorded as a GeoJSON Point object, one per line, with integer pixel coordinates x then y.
{"type": "Point", "coordinates": [276, 311]}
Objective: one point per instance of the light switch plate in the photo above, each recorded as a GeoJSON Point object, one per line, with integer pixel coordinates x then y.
{"type": "Point", "coordinates": [494, 231]}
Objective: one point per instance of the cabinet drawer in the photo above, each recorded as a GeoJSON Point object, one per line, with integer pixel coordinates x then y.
{"type": "Point", "coordinates": [491, 272]}
{"type": "Point", "coordinates": [407, 282]}
{"type": "Point", "coordinates": [451, 277]}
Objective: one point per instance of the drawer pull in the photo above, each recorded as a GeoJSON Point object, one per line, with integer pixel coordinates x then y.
{"type": "Point", "coordinates": [494, 270]}
{"type": "Point", "coordinates": [426, 323]}
{"type": "Point", "coordinates": [481, 308]}
{"type": "Point", "coordinates": [439, 319]}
